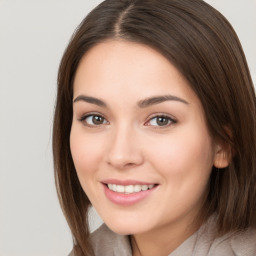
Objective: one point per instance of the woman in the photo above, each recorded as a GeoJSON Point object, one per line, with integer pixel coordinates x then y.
{"type": "Point", "coordinates": [155, 127]}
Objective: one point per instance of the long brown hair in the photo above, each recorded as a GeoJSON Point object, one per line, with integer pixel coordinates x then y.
{"type": "Point", "coordinates": [203, 46]}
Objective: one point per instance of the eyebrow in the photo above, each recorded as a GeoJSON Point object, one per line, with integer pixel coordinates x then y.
{"type": "Point", "coordinates": [159, 99]}
{"type": "Point", "coordinates": [141, 104]}
{"type": "Point", "coordinates": [91, 100]}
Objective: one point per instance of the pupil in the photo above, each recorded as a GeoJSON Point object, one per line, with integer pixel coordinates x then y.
{"type": "Point", "coordinates": [162, 121]}
{"type": "Point", "coordinates": [97, 120]}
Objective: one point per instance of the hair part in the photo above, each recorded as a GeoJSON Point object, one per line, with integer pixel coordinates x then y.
{"type": "Point", "coordinates": [203, 46]}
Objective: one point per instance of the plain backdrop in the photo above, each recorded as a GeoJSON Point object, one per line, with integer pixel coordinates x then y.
{"type": "Point", "coordinates": [33, 36]}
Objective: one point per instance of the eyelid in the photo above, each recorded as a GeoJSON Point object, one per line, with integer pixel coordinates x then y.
{"type": "Point", "coordinates": [171, 118]}
{"type": "Point", "coordinates": [86, 115]}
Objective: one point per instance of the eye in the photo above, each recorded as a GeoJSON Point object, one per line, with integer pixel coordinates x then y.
{"type": "Point", "coordinates": [161, 121]}
{"type": "Point", "coordinates": [93, 120]}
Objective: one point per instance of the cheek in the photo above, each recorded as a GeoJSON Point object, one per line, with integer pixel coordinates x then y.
{"type": "Point", "coordinates": [185, 165]}
{"type": "Point", "coordinates": [86, 153]}
{"type": "Point", "coordinates": [184, 154]}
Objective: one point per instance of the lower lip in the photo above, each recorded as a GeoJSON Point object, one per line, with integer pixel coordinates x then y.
{"type": "Point", "coordinates": [126, 199]}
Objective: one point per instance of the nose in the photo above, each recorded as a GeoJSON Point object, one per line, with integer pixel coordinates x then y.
{"type": "Point", "coordinates": [124, 149]}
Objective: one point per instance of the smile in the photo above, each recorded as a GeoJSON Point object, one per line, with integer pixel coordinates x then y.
{"type": "Point", "coordinates": [127, 193]}
{"type": "Point", "coordinates": [129, 189]}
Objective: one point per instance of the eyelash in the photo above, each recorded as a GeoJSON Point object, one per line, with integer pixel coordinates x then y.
{"type": "Point", "coordinates": [169, 120]}
{"type": "Point", "coordinates": [92, 115]}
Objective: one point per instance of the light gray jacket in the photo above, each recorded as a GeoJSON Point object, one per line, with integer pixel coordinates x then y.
{"type": "Point", "coordinates": [202, 243]}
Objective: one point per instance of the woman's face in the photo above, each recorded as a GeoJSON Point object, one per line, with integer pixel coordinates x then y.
{"type": "Point", "coordinates": [139, 139]}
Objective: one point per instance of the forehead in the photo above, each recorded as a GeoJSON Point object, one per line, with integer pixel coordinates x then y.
{"type": "Point", "coordinates": [114, 68]}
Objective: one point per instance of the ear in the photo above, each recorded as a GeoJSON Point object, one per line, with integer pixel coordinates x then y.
{"type": "Point", "coordinates": [223, 155]}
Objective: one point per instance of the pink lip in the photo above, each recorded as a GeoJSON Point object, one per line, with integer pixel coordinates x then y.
{"type": "Point", "coordinates": [126, 199]}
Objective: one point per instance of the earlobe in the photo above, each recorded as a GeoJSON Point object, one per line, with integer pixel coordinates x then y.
{"type": "Point", "coordinates": [223, 156]}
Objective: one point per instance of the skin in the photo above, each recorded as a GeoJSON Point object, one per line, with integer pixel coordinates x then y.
{"type": "Point", "coordinates": [129, 144]}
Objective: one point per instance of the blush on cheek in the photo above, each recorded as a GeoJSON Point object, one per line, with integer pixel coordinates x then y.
{"type": "Point", "coordinates": [86, 156]}
{"type": "Point", "coordinates": [183, 156]}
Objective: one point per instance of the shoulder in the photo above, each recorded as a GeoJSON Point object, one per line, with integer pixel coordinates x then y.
{"type": "Point", "coordinates": [239, 244]}
{"type": "Point", "coordinates": [232, 244]}
{"type": "Point", "coordinates": [106, 242]}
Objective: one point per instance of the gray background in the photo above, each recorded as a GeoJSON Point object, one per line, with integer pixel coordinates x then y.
{"type": "Point", "coordinates": [33, 36]}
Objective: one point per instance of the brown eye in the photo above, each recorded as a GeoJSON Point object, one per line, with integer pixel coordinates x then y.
{"type": "Point", "coordinates": [161, 121]}
{"type": "Point", "coordinates": [97, 120]}
{"type": "Point", "coordinates": [94, 120]}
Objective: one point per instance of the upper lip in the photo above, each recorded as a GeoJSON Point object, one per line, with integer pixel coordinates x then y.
{"type": "Point", "coordinates": [126, 182]}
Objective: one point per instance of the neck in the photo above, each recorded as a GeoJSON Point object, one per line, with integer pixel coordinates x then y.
{"type": "Point", "coordinates": [162, 241]}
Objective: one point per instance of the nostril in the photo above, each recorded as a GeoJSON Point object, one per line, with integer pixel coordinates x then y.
{"type": "Point", "coordinates": [130, 164]}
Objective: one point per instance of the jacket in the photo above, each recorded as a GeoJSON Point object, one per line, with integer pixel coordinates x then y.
{"type": "Point", "coordinates": [202, 243]}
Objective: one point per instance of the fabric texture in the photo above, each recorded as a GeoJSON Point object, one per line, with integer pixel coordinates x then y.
{"type": "Point", "coordinates": [202, 243]}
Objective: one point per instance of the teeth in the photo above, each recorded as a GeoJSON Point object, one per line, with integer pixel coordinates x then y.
{"type": "Point", "coordinates": [144, 187]}
{"type": "Point", "coordinates": [129, 189]}
{"type": "Point", "coordinates": [137, 188]}
{"type": "Point", "coordinates": [120, 189]}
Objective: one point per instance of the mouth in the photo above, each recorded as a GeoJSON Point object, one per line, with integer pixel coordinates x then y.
{"type": "Point", "coordinates": [129, 189]}
{"type": "Point", "coordinates": [128, 192]}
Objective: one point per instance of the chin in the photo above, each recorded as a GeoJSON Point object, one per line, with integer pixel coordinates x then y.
{"type": "Point", "coordinates": [124, 230]}
{"type": "Point", "coordinates": [125, 227]}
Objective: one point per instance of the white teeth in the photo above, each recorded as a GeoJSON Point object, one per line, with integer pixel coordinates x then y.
{"type": "Point", "coordinates": [137, 188]}
{"type": "Point", "coordinates": [120, 189]}
{"type": "Point", "coordinates": [144, 187]}
{"type": "Point", "coordinates": [130, 188]}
